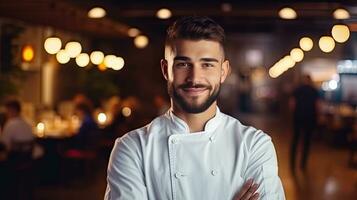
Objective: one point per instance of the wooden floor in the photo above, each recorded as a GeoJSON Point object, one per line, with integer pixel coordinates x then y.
{"type": "Point", "coordinates": [327, 177]}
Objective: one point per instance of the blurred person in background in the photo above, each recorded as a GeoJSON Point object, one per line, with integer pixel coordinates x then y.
{"type": "Point", "coordinates": [16, 129]}
{"type": "Point", "coordinates": [304, 103]}
{"type": "Point", "coordinates": [194, 151]}
{"type": "Point", "coordinates": [88, 127]}
{"type": "Point", "coordinates": [117, 126]}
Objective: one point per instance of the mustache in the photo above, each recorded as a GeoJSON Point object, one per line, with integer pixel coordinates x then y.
{"type": "Point", "coordinates": [194, 85]}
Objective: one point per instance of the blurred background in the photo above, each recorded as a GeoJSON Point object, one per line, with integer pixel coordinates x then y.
{"type": "Point", "coordinates": [86, 72]}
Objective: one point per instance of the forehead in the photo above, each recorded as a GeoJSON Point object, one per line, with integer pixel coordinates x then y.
{"type": "Point", "coordinates": [196, 48]}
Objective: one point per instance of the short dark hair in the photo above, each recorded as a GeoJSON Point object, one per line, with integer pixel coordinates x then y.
{"type": "Point", "coordinates": [195, 28]}
{"type": "Point", "coordinates": [13, 105]}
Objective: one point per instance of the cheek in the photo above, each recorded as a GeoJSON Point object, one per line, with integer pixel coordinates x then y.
{"type": "Point", "coordinates": [178, 76]}
{"type": "Point", "coordinates": [214, 78]}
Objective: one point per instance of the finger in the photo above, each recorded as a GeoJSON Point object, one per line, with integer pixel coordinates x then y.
{"type": "Point", "coordinates": [244, 189]}
{"type": "Point", "coordinates": [250, 192]}
{"type": "Point", "coordinates": [254, 197]}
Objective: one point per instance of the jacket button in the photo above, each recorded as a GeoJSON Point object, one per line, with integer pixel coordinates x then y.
{"type": "Point", "coordinates": [214, 172]}
{"type": "Point", "coordinates": [177, 175]}
{"type": "Point", "coordinates": [174, 141]}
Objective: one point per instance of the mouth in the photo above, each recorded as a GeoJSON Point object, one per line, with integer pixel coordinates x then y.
{"type": "Point", "coordinates": [194, 91]}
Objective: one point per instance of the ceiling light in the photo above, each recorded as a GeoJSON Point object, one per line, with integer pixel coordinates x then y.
{"type": "Point", "coordinates": [141, 41]}
{"type": "Point", "coordinates": [340, 33]}
{"type": "Point", "coordinates": [163, 13]}
{"type": "Point", "coordinates": [82, 60]}
{"type": "Point", "coordinates": [110, 61]}
{"type": "Point", "coordinates": [73, 49]}
{"type": "Point", "coordinates": [62, 57]}
{"type": "Point", "coordinates": [341, 13]}
{"type": "Point", "coordinates": [297, 54]}
{"type": "Point", "coordinates": [287, 13]}
{"type": "Point", "coordinates": [119, 63]}
{"type": "Point", "coordinates": [306, 43]}
{"type": "Point", "coordinates": [326, 44]}
{"type": "Point", "coordinates": [96, 12]}
{"type": "Point", "coordinates": [52, 45]}
{"type": "Point", "coordinates": [97, 57]}
{"type": "Point", "coordinates": [133, 32]}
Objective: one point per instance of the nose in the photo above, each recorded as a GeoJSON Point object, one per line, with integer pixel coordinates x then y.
{"type": "Point", "coordinates": [194, 74]}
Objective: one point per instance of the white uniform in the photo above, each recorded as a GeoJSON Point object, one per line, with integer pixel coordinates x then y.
{"type": "Point", "coordinates": [164, 161]}
{"type": "Point", "coordinates": [16, 130]}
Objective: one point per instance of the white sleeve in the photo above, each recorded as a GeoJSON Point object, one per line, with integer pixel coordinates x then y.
{"type": "Point", "coordinates": [6, 136]}
{"type": "Point", "coordinates": [125, 177]}
{"type": "Point", "coordinates": [263, 167]}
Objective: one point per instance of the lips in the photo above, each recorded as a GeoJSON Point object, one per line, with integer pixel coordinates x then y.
{"type": "Point", "coordinates": [194, 91]}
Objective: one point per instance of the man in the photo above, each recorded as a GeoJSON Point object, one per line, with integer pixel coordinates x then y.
{"type": "Point", "coordinates": [16, 129]}
{"type": "Point", "coordinates": [87, 132]}
{"type": "Point", "coordinates": [194, 151]}
{"type": "Point", "coordinates": [304, 104]}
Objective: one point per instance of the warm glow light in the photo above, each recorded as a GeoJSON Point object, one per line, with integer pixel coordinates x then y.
{"type": "Point", "coordinates": [97, 57]}
{"type": "Point", "coordinates": [281, 66]}
{"type": "Point", "coordinates": [28, 53]}
{"type": "Point", "coordinates": [297, 54]}
{"type": "Point", "coordinates": [141, 41]}
{"type": "Point", "coordinates": [163, 13]}
{"type": "Point", "coordinates": [73, 49]}
{"type": "Point", "coordinates": [287, 13]}
{"type": "Point", "coordinates": [102, 118]}
{"type": "Point", "coordinates": [340, 33]}
{"type": "Point", "coordinates": [96, 12]}
{"type": "Point", "coordinates": [119, 63]}
{"type": "Point", "coordinates": [326, 44]}
{"type": "Point", "coordinates": [52, 45]}
{"type": "Point", "coordinates": [110, 61]}
{"type": "Point", "coordinates": [276, 70]}
{"type": "Point", "coordinates": [273, 72]}
{"type": "Point", "coordinates": [62, 57]}
{"type": "Point", "coordinates": [287, 62]}
{"type": "Point", "coordinates": [126, 111]}
{"type": "Point", "coordinates": [332, 84]}
{"type": "Point", "coordinates": [102, 67]}
{"type": "Point", "coordinates": [82, 60]}
{"type": "Point", "coordinates": [341, 14]}
{"type": "Point", "coordinates": [133, 32]}
{"type": "Point", "coordinates": [306, 43]}
{"type": "Point", "coordinates": [40, 128]}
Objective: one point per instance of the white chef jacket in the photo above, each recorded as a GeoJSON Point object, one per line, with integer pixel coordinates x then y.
{"type": "Point", "coordinates": [16, 130]}
{"type": "Point", "coordinates": [163, 160]}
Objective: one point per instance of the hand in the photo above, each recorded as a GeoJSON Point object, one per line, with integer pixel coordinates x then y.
{"type": "Point", "coordinates": [248, 191]}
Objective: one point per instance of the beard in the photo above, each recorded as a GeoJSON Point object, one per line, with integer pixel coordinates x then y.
{"type": "Point", "coordinates": [193, 107]}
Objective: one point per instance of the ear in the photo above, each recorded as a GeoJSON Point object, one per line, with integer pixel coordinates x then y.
{"type": "Point", "coordinates": [164, 67]}
{"type": "Point", "coordinates": [225, 71]}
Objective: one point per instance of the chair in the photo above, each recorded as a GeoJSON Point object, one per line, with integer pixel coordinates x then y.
{"type": "Point", "coordinates": [21, 166]}
{"type": "Point", "coordinates": [78, 155]}
{"type": "Point", "coordinates": [20, 156]}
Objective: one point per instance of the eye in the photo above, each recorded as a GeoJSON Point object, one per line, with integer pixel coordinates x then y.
{"type": "Point", "coordinates": [182, 64]}
{"type": "Point", "coordinates": [207, 65]}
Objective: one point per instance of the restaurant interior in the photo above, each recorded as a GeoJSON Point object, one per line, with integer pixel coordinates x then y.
{"type": "Point", "coordinates": [65, 59]}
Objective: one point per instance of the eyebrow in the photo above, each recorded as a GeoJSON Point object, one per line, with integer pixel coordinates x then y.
{"type": "Point", "coordinates": [184, 58]}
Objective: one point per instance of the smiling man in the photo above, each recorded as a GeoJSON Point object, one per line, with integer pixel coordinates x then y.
{"type": "Point", "coordinates": [194, 151]}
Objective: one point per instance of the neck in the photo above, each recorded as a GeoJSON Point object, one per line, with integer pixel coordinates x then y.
{"type": "Point", "coordinates": [197, 121]}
